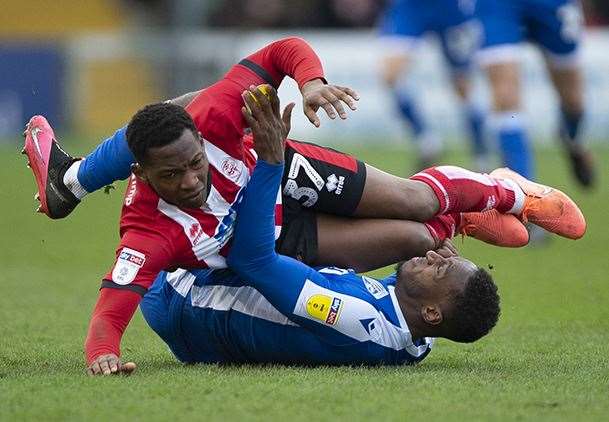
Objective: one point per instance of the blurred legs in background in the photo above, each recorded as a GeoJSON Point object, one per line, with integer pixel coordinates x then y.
{"type": "Point", "coordinates": [567, 79]}
{"type": "Point", "coordinates": [428, 145]}
{"type": "Point", "coordinates": [555, 26]}
{"type": "Point", "coordinates": [402, 28]}
{"type": "Point", "coordinates": [506, 122]}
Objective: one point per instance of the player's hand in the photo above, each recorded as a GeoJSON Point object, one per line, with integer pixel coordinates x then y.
{"type": "Point", "coordinates": [447, 249]}
{"type": "Point", "coordinates": [110, 364]}
{"type": "Point", "coordinates": [269, 128]}
{"type": "Point", "coordinates": [316, 95]}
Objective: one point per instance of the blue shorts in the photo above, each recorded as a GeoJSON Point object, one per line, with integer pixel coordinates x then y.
{"type": "Point", "coordinates": [404, 22]}
{"type": "Point", "coordinates": [555, 25]}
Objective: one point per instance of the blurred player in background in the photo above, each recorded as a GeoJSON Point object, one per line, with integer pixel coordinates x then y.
{"type": "Point", "coordinates": [556, 27]}
{"type": "Point", "coordinates": [402, 27]}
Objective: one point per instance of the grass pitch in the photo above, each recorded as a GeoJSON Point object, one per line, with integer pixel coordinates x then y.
{"type": "Point", "coordinates": [548, 358]}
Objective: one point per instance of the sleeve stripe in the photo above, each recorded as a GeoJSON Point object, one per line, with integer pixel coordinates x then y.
{"type": "Point", "coordinates": [260, 71]}
{"type": "Point", "coordinates": [133, 287]}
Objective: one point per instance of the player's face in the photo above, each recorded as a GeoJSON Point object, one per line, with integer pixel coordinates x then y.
{"type": "Point", "coordinates": [435, 278]}
{"type": "Point", "coordinates": [178, 172]}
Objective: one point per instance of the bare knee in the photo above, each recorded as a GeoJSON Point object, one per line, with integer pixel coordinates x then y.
{"type": "Point", "coordinates": [505, 86]}
{"type": "Point", "coordinates": [461, 84]}
{"type": "Point", "coordinates": [392, 69]}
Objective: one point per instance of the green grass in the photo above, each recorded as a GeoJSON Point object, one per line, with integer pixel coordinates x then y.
{"type": "Point", "coordinates": [548, 358]}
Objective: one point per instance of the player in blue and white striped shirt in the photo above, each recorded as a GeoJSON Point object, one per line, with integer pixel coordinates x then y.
{"type": "Point", "coordinates": [273, 308]}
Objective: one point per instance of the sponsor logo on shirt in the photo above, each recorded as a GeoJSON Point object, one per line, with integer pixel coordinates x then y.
{"type": "Point", "coordinates": [194, 233]}
{"type": "Point", "coordinates": [335, 184]}
{"type": "Point", "coordinates": [324, 308]}
{"type": "Point", "coordinates": [131, 191]}
{"type": "Point", "coordinates": [231, 168]}
{"type": "Point", "coordinates": [127, 265]}
{"type": "Point", "coordinates": [375, 288]}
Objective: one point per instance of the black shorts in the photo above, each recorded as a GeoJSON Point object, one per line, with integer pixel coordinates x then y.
{"type": "Point", "coordinates": [315, 180]}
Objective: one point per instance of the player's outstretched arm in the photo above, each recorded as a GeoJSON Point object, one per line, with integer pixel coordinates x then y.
{"type": "Point", "coordinates": [112, 313]}
{"type": "Point", "coordinates": [289, 285]}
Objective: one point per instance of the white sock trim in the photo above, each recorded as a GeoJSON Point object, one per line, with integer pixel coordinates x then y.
{"type": "Point", "coordinates": [70, 179]}
{"type": "Point", "coordinates": [506, 120]}
{"type": "Point", "coordinates": [519, 195]}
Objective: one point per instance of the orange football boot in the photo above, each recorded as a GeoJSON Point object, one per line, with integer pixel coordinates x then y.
{"type": "Point", "coordinates": [546, 207]}
{"type": "Point", "coordinates": [494, 228]}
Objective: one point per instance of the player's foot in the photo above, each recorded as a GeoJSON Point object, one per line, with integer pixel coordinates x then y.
{"type": "Point", "coordinates": [547, 207]}
{"type": "Point", "coordinates": [48, 163]}
{"type": "Point", "coordinates": [494, 228]}
{"type": "Point", "coordinates": [582, 165]}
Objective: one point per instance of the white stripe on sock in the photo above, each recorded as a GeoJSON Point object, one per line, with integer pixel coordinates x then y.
{"type": "Point", "coordinates": [518, 195]}
{"type": "Point", "coordinates": [70, 179]}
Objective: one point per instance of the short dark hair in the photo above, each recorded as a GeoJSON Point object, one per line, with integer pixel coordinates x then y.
{"type": "Point", "coordinates": [156, 125]}
{"type": "Point", "coordinates": [476, 308]}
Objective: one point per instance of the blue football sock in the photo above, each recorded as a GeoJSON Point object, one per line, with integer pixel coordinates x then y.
{"type": "Point", "coordinates": [570, 123]}
{"type": "Point", "coordinates": [475, 123]}
{"type": "Point", "coordinates": [514, 142]}
{"type": "Point", "coordinates": [110, 161]}
{"type": "Point", "coordinates": [410, 112]}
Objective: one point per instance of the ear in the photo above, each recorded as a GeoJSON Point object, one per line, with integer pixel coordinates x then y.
{"type": "Point", "coordinates": [138, 171]}
{"type": "Point", "coordinates": [431, 314]}
{"type": "Point", "coordinates": [200, 138]}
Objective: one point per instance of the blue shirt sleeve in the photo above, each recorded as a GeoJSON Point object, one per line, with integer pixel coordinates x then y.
{"type": "Point", "coordinates": [108, 162]}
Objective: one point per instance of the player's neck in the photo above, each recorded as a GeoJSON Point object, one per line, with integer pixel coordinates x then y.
{"type": "Point", "coordinates": [409, 308]}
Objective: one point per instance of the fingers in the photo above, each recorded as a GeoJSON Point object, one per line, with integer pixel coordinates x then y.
{"type": "Point", "coordinates": [331, 98]}
{"type": "Point", "coordinates": [286, 117]}
{"type": "Point", "coordinates": [128, 368]}
{"type": "Point", "coordinates": [351, 95]}
{"type": "Point", "coordinates": [347, 95]}
{"type": "Point", "coordinates": [311, 114]}
{"type": "Point", "coordinates": [109, 364]}
{"type": "Point", "coordinates": [105, 367]}
{"type": "Point", "coordinates": [333, 95]}
{"type": "Point", "coordinates": [94, 368]}
{"type": "Point", "coordinates": [274, 98]}
{"type": "Point", "coordinates": [247, 115]}
{"type": "Point", "coordinates": [329, 110]}
{"type": "Point", "coordinates": [451, 247]}
{"type": "Point", "coordinates": [447, 249]}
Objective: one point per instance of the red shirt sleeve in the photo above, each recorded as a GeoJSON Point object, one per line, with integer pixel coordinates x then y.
{"type": "Point", "coordinates": [139, 259]}
{"type": "Point", "coordinates": [291, 57]}
{"type": "Point", "coordinates": [216, 111]}
{"type": "Point", "coordinates": [112, 313]}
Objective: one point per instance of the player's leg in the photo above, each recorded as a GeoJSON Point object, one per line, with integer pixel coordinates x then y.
{"type": "Point", "coordinates": [159, 314]}
{"type": "Point", "coordinates": [558, 30]}
{"type": "Point", "coordinates": [460, 39]}
{"type": "Point", "coordinates": [401, 29]}
{"type": "Point", "coordinates": [327, 181]}
{"type": "Point", "coordinates": [330, 182]}
{"type": "Point", "coordinates": [568, 83]}
{"type": "Point", "coordinates": [64, 180]}
{"type": "Point", "coordinates": [365, 244]}
{"type": "Point", "coordinates": [499, 57]}
{"type": "Point", "coordinates": [368, 244]}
